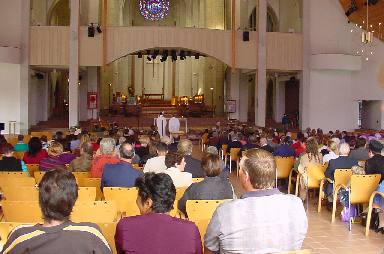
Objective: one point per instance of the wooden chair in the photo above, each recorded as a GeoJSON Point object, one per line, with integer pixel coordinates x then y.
{"type": "Point", "coordinates": [20, 193]}
{"type": "Point", "coordinates": [234, 156]}
{"type": "Point", "coordinates": [284, 167]}
{"type": "Point", "coordinates": [32, 168]}
{"type": "Point", "coordinates": [38, 175]}
{"type": "Point", "coordinates": [201, 211]}
{"type": "Point", "coordinates": [197, 180]}
{"type": "Point", "coordinates": [109, 230]}
{"type": "Point", "coordinates": [224, 153]}
{"type": "Point", "coordinates": [368, 223]}
{"type": "Point", "coordinates": [315, 174]}
{"type": "Point", "coordinates": [18, 155]}
{"type": "Point", "coordinates": [341, 176]}
{"type": "Point", "coordinates": [96, 211]}
{"type": "Point", "coordinates": [22, 211]}
{"type": "Point", "coordinates": [125, 199]}
{"type": "Point", "coordinates": [13, 174]}
{"type": "Point", "coordinates": [204, 141]}
{"type": "Point", "coordinates": [92, 182]}
{"type": "Point", "coordinates": [179, 194]}
{"type": "Point", "coordinates": [82, 174]}
{"type": "Point", "coordinates": [360, 190]}
{"type": "Point", "coordinates": [17, 181]}
{"type": "Point", "coordinates": [86, 194]}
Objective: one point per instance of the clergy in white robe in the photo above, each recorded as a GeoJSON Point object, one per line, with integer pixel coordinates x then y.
{"type": "Point", "coordinates": [174, 125]}
{"type": "Point", "coordinates": [161, 123]}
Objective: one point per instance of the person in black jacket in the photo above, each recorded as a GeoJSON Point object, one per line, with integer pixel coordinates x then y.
{"type": "Point", "coordinates": [9, 163]}
{"type": "Point", "coordinates": [193, 165]}
{"type": "Point", "coordinates": [375, 164]}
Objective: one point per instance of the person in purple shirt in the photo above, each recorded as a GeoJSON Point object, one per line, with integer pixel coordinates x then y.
{"type": "Point", "coordinates": [285, 149]}
{"type": "Point", "coordinates": [155, 231]}
{"type": "Point", "coordinates": [56, 157]}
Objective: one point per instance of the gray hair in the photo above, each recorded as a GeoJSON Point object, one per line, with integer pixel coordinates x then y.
{"type": "Point", "coordinates": [107, 145]}
{"type": "Point", "coordinates": [344, 149]}
{"type": "Point", "coordinates": [211, 150]}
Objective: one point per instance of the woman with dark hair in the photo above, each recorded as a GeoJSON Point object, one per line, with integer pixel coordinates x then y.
{"type": "Point", "coordinates": [3, 143]}
{"type": "Point", "coordinates": [212, 187]}
{"type": "Point", "coordinates": [57, 196]}
{"type": "Point", "coordinates": [155, 231]}
{"type": "Point", "coordinates": [35, 152]}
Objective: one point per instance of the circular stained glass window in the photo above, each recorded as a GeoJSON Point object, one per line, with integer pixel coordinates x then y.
{"type": "Point", "coordinates": [154, 9]}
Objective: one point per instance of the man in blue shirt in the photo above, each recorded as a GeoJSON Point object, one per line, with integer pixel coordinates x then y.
{"type": "Point", "coordinates": [121, 174]}
{"type": "Point", "coordinates": [285, 149]}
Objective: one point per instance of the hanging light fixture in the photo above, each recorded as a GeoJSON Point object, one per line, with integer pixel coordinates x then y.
{"type": "Point", "coordinates": [367, 35]}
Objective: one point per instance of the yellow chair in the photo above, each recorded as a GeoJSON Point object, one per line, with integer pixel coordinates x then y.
{"type": "Point", "coordinates": [234, 156]}
{"type": "Point", "coordinates": [13, 174]}
{"type": "Point", "coordinates": [82, 174]}
{"type": "Point", "coordinates": [17, 181]}
{"type": "Point", "coordinates": [86, 194]}
{"type": "Point", "coordinates": [368, 223]}
{"type": "Point", "coordinates": [179, 194]}
{"type": "Point", "coordinates": [109, 230]}
{"type": "Point", "coordinates": [22, 211]}
{"type": "Point", "coordinates": [284, 167]}
{"type": "Point", "coordinates": [224, 153]}
{"type": "Point", "coordinates": [125, 199]}
{"type": "Point", "coordinates": [341, 176]}
{"type": "Point", "coordinates": [96, 211]}
{"type": "Point", "coordinates": [32, 168]}
{"type": "Point", "coordinates": [204, 141]}
{"type": "Point", "coordinates": [314, 176]}
{"type": "Point", "coordinates": [92, 182]}
{"type": "Point", "coordinates": [197, 180]}
{"type": "Point", "coordinates": [360, 190]}
{"type": "Point", "coordinates": [18, 155]}
{"type": "Point", "coordinates": [20, 193]}
{"type": "Point", "coordinates": [38, 175]}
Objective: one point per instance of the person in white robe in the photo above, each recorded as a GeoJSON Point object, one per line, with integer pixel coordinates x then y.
{"type": "Point", "coordinates": [161, 123]}
{"type": "Point", "coordinates": [174, 126]}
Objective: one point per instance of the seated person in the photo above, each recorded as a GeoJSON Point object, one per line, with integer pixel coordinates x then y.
{"type": "Point", "coordinates": [121, 174]}
{"type": "Point", "coordinates": [155, 231]}
{"type": "Point", "coordinates": [265, 146]}
{"type": "Point", "coordinates": [57, 196]}
{"type": "Point", "coordinates": [20, 146]}
{"type": "Point", "coordinates": [106, 155]}
{"type": "Point", "coordinates": [343, 161]}
{"type": "Point", "coordinates": [157, 164]}
{"type": "Point", "coordinates": [375, 164]}
{"type": "Point", "coordinates": [53, 160]}
{"type": "Point", "coordinates": [83, 162]}
{"type": "Point", "coordinates": [213, 187]}
{"type": "Point", "coordinates": [333, 152]}
{"type": "Point", "coordinates": [193, 165]}
{"type": "Point", "coordinates": [175, 169]}
{"type": "Point", "coordinates": [35, 151]}
{"type": "Point", "coordinates": [9, 162]}
{"type": "Point", "coordinates": [285, 149]}
{"type": "Point", "coordinates": [254, 223]}
{"type": "Point", "coordinates": [360, 153]}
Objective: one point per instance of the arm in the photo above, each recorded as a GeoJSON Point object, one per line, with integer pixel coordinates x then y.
{"type": "Point", "coordinates": [211, 238]}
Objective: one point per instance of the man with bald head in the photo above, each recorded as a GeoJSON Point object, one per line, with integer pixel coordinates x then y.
{"type": "Point", "coordinates": [343, 161]}
{"type": "Point", "coordinates": [121, 174]}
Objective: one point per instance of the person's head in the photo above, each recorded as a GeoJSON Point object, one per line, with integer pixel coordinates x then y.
{"type": "Point", "coordinates": [211, 164]}
{"type": "Point", "coordinates": [175, 160]}
{"type": "Point", "coordinates": [34, 146]}
{"type": "Point", "coordinates": [344, 149]}
{"type": "Point", "coordinates": [57, 194]}
{"type": "Point", "coordinates": [144, 140]}
{"type": "Point", "coordinates": [253, 139]}
{"type": "Point", "coordinates": [84, 138]}
{"type": "Point", "coordinates": [185, 147]}
{"type": "Point", "coordinates": [311, 146]}
{"type": "Point", "coordinates": [20, 138]}
{"type": "Point", "coordinates": [86, 148]}
{"type": "Point", "coordinates": [375, 147]}
{"type": "Point", "coordinates": [59, 135]}
{"type": "Point", "coordinates": [156, 193]}
{"type": "Point", "coordinates": [161, 149]}
{"type": "Point", "coordinates": [333, 146]}
{"type": "Point", "coordinates": [257, 170]}
{"type": "Point", "coordinates": [166, 140]}
{"type": "Point", "coordinates": [127, 151]}
{"type": "Point", "coordinates": [263, 141]}
{"type": "Point", "coordinates": [287, 140]}
{"type": "Point", "coordinates": [211, 150]}
{"type": "Point", "coordinates": [55, 149]}
{"type": "Point", "coordinates": [107, 146]}
{"type": "Point", "coordinates": [360, 142]}
{"type": "Point", "coordinates": [8, 150]}
{"type": "Point", "coordinates": [3, 140]}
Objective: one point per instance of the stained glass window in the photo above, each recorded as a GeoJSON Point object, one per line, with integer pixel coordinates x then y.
{"type": "Point", "coordinates": [154, 9]}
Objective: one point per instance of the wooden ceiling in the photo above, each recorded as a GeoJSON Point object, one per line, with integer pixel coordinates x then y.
{"type": "Point", "coordinates": [376, 15]}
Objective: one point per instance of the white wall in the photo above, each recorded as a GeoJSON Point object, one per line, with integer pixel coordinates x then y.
{"type": "Point", "coordinates": [10, 94]}
{"type": "Point", "coordinates": [10, 23]}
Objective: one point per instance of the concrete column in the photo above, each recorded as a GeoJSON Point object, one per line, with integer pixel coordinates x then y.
{"type": "Point", "coordinates": [24, 67]}
{"type": "Point", "coordinates": [261, 87]}
{"type": "Point", "coordinates": [234, 92]}
{"type": "Point", "coordinates": [74, 64]}
{"type": "Point", "coordinates": [306, 73]}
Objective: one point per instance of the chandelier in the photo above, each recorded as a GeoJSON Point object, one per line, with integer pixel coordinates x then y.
{"type": "Point", "coordinates": [154, 10]}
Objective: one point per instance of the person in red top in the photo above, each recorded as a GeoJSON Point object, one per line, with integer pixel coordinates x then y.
{"type": "Point", "coordinates": [105, 155]}
{"type": "Point", "coordinates": [35, 152]}
{"type": "Point", "coordinates": [299, 146]}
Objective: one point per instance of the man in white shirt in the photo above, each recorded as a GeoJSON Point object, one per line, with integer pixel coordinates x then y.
{"type": "Point", "coordinates": [157, 164]}
{"type": "Point", "coordinates": [161, 123]}
{"type": "Point", "coordinates": [175, 163]}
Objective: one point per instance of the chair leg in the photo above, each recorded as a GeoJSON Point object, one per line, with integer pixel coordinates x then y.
{"type": "Point", "coordinates": [368, 223]}
{"type": "Point", "coordinates": [320, 196]}
{"type": "Point", "coordinates": [230, 164]}
{"type": "Point", "coordinates": [349, 206]}
{"type": "Point", "coordinates": [289, 182]}
{"type": "Point", "coordinates": [297, 185]}
{"type": "Point", "coordinates": [237, 167]}
{"type": "Point", "coordinates": [334, 204]}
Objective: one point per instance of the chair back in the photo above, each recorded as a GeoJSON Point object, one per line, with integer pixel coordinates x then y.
{"type": "Point", "coordinates": [82, 174]}
{"type": "Point", "coordinates": [284, 166]}
{"type": "Point", "coordinates": [325, 166]}
{"type": "Point", "coordinates": [234, 153]}
{"type": "Point", "coordinates": [32, 168]}
{"type": "Point", "coordinates": [18, 155]}
{"type": "Point", "coordinates": [202, 209]}
{"type": "Point", "coordinates": [362, 187]}
{"type": "Point", "coordinates": [224, 149]}
{"type": "Point", "coordinates": [125, 199]}
{"type": "Point", "coordinates": [22, 211]}
{"type": "Point", "coordinates": [20, 193]}
{"type": "Point", "coordinates": [91, 182]}
{"type": "Point", "coordinates": [96, 211]}
{"type": "Point", "coordinates": [38, 175]}
{"type": "Point", "coordinates": [315, 175]}
{"type": "Point", "coordinates": [86, 194]}
{"type": "Point", "coordinates": [197, 179]}
{"type": "Point", "coordinates": [12, 174]}
{"type": "Point", "coordinates": [109, 230]}
{"type": "Point", "coordinates": [179, 194]}
{"type": "Point", "coordinates": [17, 181]}
{"type": "Point", "coordinates": [342, 176]}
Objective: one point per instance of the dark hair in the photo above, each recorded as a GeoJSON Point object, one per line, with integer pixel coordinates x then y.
{"type": "Point", "coordinates": [7, 148]}
{"type": "Point", "coordinates": [34, 146]}
{"type": "Point", "coordinates": [127, 151]}
{"type": "Point", "coordinates": [173, 158]}
{"type": "Point", "coordinates": [20, 137]}
{"type": "Point", "coordinates": [211, 164]}
{"type": "Point", "coordinates": [360, 142]}
{"type": "Point", "coordinates": [3, 140]}
{"type": "Point", "coordinates": [161, 147]}
{"type": "Point", "coordinates": [57, 194]}
{"type": "Point", "coordinates": [159, 188]}
{"type": "Point", "coordinates": [87, 148]}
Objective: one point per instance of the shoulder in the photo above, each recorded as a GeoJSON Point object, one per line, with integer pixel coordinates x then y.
{"type": "Point", "coordinates": [88, 229]}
